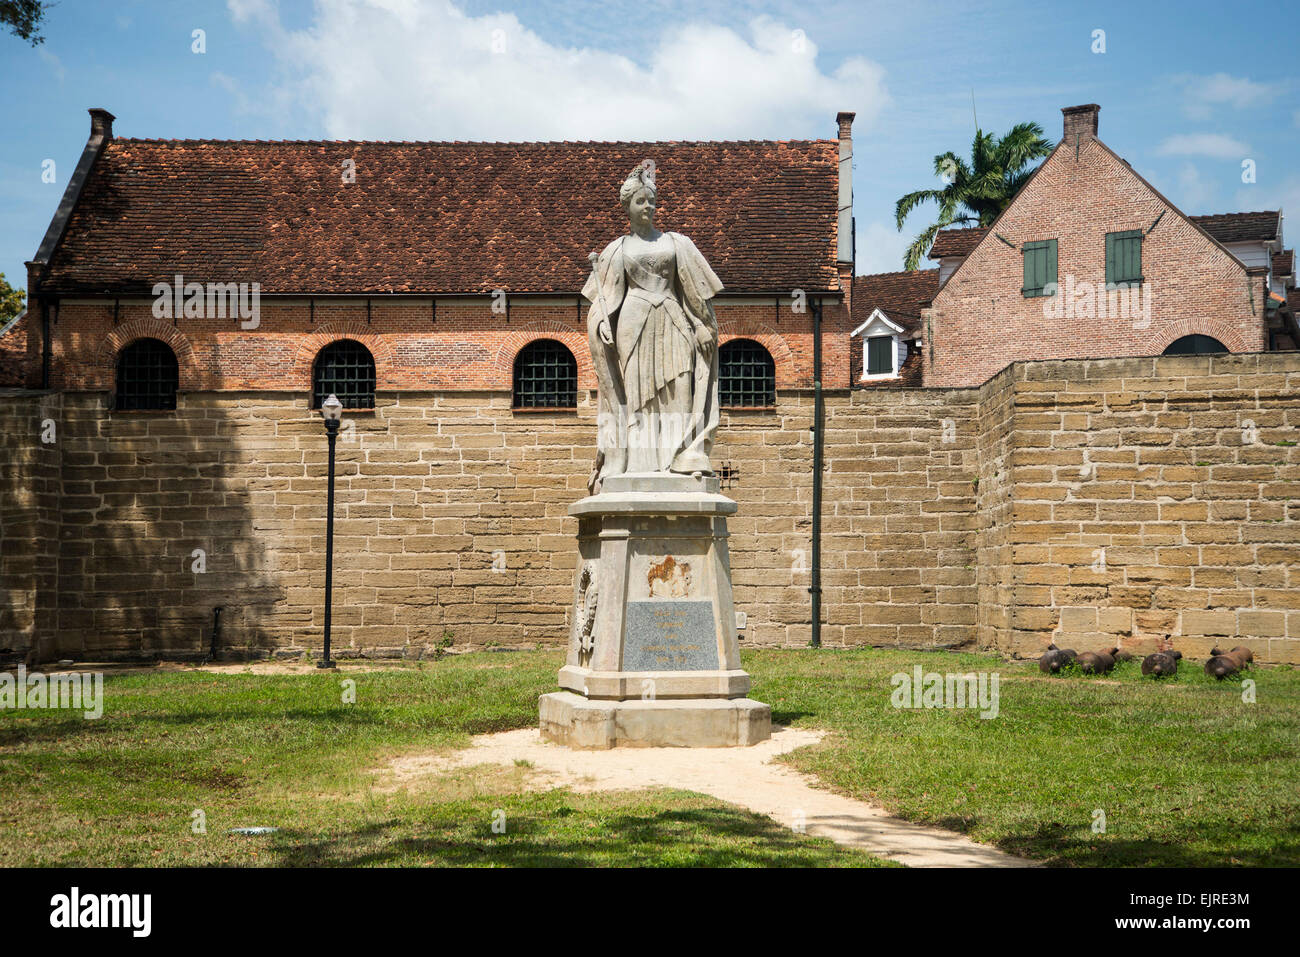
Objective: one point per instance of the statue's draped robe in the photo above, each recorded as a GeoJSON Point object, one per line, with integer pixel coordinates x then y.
{"type": "Point", "coordinates": [658, 398]}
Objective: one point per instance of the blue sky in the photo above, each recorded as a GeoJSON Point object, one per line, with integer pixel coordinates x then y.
{"type": "Point", "coordinates": [1188, 90]}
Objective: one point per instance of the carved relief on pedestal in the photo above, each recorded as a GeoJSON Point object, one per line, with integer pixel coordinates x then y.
{"type": "Point", "coordinates": [669, 579]}
{"type": "Point", "coordinates": [586, 593]}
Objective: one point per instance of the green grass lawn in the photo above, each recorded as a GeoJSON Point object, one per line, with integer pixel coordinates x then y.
{"type": "Point", "coordinates": [1185, 772]}
{"type": "Point", "coordinates": [284, 750]}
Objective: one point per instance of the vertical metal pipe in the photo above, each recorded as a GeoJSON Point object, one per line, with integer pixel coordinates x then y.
{"type": "Point", "coordinates": [331, 431]}
{"type": "Point", "coordinates": [45, 344]}
{"type": "Point", "coordinates": [819, 416]}
{"type": "Point", "coordinates": [216, 632]}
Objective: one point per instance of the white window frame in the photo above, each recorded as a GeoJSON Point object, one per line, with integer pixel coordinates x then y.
{"type": "Point", "coordinates": [878, 325]}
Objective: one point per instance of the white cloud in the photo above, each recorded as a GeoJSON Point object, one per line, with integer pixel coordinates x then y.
{"type": "Point", "coordinates": [1271, 193]}
{"type": "Point", "coordinates": [881, 246]}
{"type": "Point", "coordinates": [423, 69]}
{"type": "Point", "coordinates": [1193, 194]}
{"type": "Point", "coordinates": [1203, 94]}
{"type": "Point", "coordinates": [241, 102]}
{"type": "Point", "coordinates": [54, 63]}
{"type": "Point", "coordinates": [1214, 145]}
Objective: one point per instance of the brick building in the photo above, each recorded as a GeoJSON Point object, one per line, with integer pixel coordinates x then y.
{"type": "Point", "coordinates": [443, 259]}
{"type": "Point", "coordinates": [163, 489]}
{"type": "Point", "coordinates": [1089, 260]}
{"type": "Point", "coordinates": [435, 282]}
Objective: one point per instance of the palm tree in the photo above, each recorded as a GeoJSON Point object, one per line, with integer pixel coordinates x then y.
{"type": "Point", "coordinates": [975, 193]}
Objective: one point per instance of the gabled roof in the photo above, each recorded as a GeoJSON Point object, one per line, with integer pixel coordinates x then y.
{"type": "Point", "coordinates": [1243, 222]}
{"type": "Point", "coordinates": [899, 295]}
{"type": "Point", "coordinates": [446, 218]}
{"type": "Point", "coordinates": [1225, 227]}
{"type": "Point", "coordinates": [13, 350]}
{"type": "Point", "coordinates": [12, 322]}
{"type": "Point", "coordinates": [1241, 227]}
{"type": "Point", "coordinates": [956, 242]}
{"type": "Point", "coordinates": [877, 316]}
{"type": "Point", "coordinates": [1284, 264]}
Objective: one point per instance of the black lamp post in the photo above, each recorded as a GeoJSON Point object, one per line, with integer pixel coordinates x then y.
{"type": "Point", "coordinates": [331, 411]}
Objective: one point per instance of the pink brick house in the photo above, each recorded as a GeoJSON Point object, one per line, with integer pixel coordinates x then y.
{"type": "Point", "coordinates": [1088, 261]}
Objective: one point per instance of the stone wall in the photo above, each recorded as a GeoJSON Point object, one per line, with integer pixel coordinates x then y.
{"type": "Point", "coordinates": [898, 554]}
{"type": "Point", "coordinates": [995, 433]}
{"type": "Point", "coordinates": [452, 522]}
{"type": "Point", "coordinates": [951, 516]}
{"type": "Point", "coordinates": [1155, 500]}
{"type": "Point", "coordinates": [30, 486]}
{"type": "Point", "coordinates": [766, 458]}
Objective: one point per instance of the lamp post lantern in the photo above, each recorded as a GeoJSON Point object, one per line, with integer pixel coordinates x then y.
{"type": "Point", "coordinates": [331, 411]}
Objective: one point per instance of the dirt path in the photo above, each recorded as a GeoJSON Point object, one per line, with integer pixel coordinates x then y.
{"type": "Point", "coordinates": [747, 777]}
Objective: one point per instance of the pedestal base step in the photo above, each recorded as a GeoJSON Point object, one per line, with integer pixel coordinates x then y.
{"type": "Point", "coordinates": [578, 722]}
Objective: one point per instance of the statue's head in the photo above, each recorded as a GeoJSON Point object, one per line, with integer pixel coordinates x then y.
{"type": "Point", "coordinates": [638, 195]}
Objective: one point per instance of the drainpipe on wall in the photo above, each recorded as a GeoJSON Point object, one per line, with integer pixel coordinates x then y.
{"type": "Point", "coordinates": [845, 256]}
{"type": "Point", "coordinates": [819, 416]}
{"type": "Point", "coordinates": [45, 343]}
{"type": "Point", "coordinates": [216, 632]}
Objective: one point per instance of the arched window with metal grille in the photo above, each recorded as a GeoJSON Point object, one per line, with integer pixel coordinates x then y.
{"type": "Point", "coordinates": [346, 369]}
{"type": "Point", "coordinates": [1195, 345]}
{"type": "Point", "coordinates": [147, 376]}
{"type": "Point", "coordinates": [546, 376]}
{"type": "Point", "coordinates": [746, 375]}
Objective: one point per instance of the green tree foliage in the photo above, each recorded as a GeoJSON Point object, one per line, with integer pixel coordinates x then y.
{"type": "Point", "coordinates": [11, 300]}
{"type": "Point", "coordinates": [23, 18]}
{"type": "Point", "coordinates": [975, 192]}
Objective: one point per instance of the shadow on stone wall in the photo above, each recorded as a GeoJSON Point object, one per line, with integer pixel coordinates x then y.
{"type": "Point", "coordinates": [29, 492]}
{"type": "Point", "coordinates": [157, 532]}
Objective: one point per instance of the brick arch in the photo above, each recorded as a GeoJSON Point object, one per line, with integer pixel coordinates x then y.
{"type": "Point", "coordinates": [771, 340]}
{"type": "Point", "coordinates": [327, 332]}
{"type": "Point", "coordinates": [123, 334]}
{"type": "Point", "coordinates": [1175, 330]}
{"type": "Point", "coordinates": [514, 343]}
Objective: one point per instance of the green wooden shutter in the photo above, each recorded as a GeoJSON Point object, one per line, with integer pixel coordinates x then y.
{"type": "Point", "coordinates": [1040, 267]}
{"type": "Point", "coordinates": [880, 358]}
{"type": "Point", "coordinates": [1124, 257]}
{"type": "Point", "coordinates": [1133, 268]}
{"type": "Point", "coordinates": [1031, 270]}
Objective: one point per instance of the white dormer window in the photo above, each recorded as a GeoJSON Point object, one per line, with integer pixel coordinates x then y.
{"type": "Point", "coordinates": [883, 348]}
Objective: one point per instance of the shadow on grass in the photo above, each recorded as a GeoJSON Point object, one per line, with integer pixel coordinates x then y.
{"type": "Point", "coordinates": [562, 837]}
{"type": "Point", "coordinates": [1061, 845]}
{"type": "Point", "coordinates": [69, 729]}
{"type": "Point", "coordinates": [787, 718]}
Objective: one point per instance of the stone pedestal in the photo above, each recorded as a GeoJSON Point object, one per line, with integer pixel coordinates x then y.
{"type": "Point", "coordinates": [653, 659]}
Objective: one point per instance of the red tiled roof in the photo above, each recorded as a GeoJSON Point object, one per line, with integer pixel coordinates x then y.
{"type": "Point", "coordinates": [899, 295]}
{"type": "Point", "coordinates": [957, 242]}
{"type": "Point", "coordinates": [13, 351]}
{"type": "Point", "coordinates": [438, 217]}
{"type": "Point", "coordinates": [1241, 227]}
{"type": "Point", "coordinates": [1284, 263]}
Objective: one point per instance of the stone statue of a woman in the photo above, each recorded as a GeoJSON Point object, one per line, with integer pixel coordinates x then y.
{"type": "Point", "coordinates": [654, 342]}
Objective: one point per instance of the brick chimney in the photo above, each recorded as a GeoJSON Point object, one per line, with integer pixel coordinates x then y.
{"type": "Point", "coordinates": [101, 123]}
{"type": "Point", "coordinates": [1081, 122]}
{"type": "Point", "coordinates": [844, 227]}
